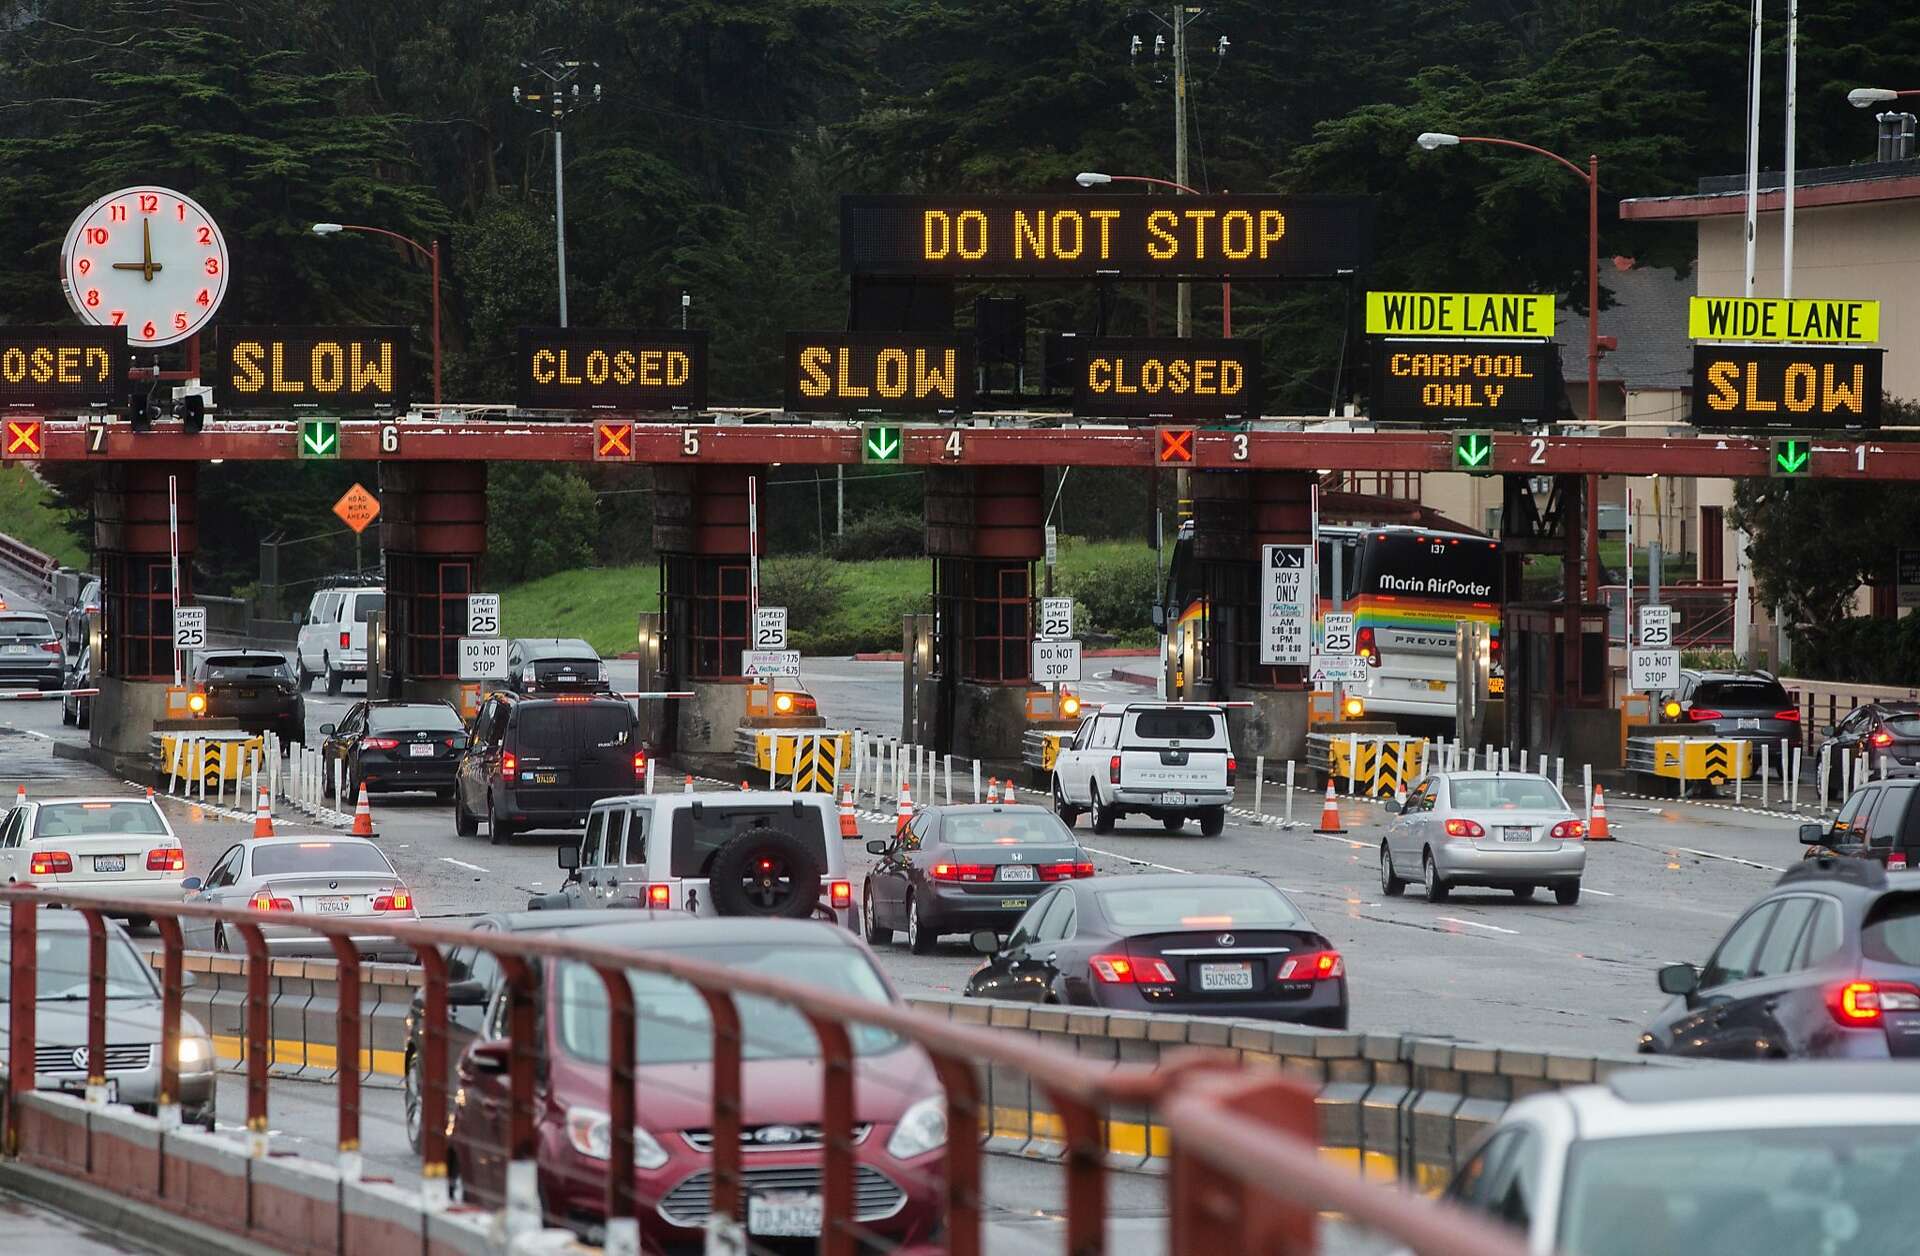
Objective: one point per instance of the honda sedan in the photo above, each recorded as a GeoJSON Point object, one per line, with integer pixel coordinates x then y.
{"type": "Point", "coordinates": [1497, 830]}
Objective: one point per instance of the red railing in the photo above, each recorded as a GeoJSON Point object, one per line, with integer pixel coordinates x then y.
{"type": "Point", "coordinates": [1246, 1175]}
{"type": "Point", "coordinates": [1706, 613]}
{"type": "Point", "coordinates": [28, 561]}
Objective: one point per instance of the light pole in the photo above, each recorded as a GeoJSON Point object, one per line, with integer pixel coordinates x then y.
{"type": "Point", "coordinates": [432, 254]}
{"type": "Point", "coordinates": [1094, 179]}
{"type": "Point", "coordinates": [1864, 97]}
{"type": "Point", "coordinates": [556, 97]}
{"type": "Point", "coordinates": [1431, 140]}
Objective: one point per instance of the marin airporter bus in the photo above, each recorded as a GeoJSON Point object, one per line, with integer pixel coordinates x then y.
{"type": "Point", "coordinates": [1408, 589]}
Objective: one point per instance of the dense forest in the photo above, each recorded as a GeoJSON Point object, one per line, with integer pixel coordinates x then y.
{"type": "Point", "coordinates": [726, 130]}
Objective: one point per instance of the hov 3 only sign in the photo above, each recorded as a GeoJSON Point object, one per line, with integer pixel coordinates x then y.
{"type": "Point", "coordinates": [1286, 605]}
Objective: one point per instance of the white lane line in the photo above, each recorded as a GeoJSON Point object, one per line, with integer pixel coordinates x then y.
{"type": "Point", "coordinates": [1474, 924]}
{"type": "Point", "coordinates": [461, 863]}
{"type": "Point", "coordinates": [1588, 889]}
{"type": "Point", "coordinates": [1331, 837]}
{"type": "Point", "coordinates": [1143, 863]}
{"type": "Point", "coordinates": [29, 732]}
{"type": "Point", "coordinates": [1707, 854]}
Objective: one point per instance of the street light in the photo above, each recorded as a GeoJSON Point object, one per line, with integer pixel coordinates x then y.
{"type": "Point", "coordinates": [1431, 140]}
{"type": "Point", "coordinates": [1866, 97]}
{"type": "Point", "coordinates": [432, 254]}
{"type": "Point", "coordinates": [1094, 179]}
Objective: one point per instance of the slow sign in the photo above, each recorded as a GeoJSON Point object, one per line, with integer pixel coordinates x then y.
{"type": "Point", "coordinates": [1164, 378]}
{"type": "Point", "coordinates": [1478, 381]}
{"type": "Point", "coordinates": [59, 368]}
{"type": "Point", "coordinates": [1124, 236]}
{"type": "Point", "coordinates": [571, 368]}
{"type": "Point", "coordinates": [340, 368]}
{"type": "Point", "coordinates": [1802, 386]}
{"type": "Point", "coordinates": [841, 371]}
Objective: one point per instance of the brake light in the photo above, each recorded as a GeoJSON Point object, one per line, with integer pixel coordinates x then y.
{"type": "Point", "coordinates": [1113, 770]}
{"type": "Point", "coordinates": [1881, 737]}
{"type": "Point", "coordinates": [659, 895]}
{"type": "Point", "coordinates": [346, 639]}
{"type": "Point", "coordinates": [1064, 871]}
{"type": "Point", "coordinates": [1698, 714]}
{"type": "Point", "coordinates": [1896, 861]}
{"type": "Point", "coordinates": [639, 765]}
{"type": "Point", "coordinates": [840, 894]}
{"type": "Point", "coordinates": [1124, 970]}
{"type": "Point", "coordinates": [399, 900]}
{"type": "Point", "coordinates": [264, 901]}
{"type": "Point", "coordinates": [50, 863]}
{"type": "Point", "coordinates": [975, 873]}
{"type": "Point", "coordinates": [509, 764]}
{"type": "Point", "coordinates": [50, 647]}
{"type": "Point", "coordinates": [1569, 831]}
{"type": "Point", "coordinates": [1465, 828]}
{"type": "Point", "coordinates": [1862, 1003]}
{"type": "Point", "coordinates": [1312, 966]}
{"type": "Point", "coordinates": [1791, 715]}
{"type": "Point", "coordinates": [1366, 648]}
{"type": "Point", "coordinates": [1231, 766]}
{"type": "Point", "coordinates": [380, 743]}
{"type": "Point", "coordinates": [166, 859]}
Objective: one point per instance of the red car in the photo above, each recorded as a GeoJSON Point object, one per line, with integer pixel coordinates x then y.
{"type": "Point", "coordinates": [900, 1123]}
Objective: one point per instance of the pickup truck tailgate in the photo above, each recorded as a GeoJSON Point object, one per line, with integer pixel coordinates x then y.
{"type": "Point", "coordinates": [1174, 769]}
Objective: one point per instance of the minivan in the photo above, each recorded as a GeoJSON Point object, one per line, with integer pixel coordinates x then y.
{"type": "Point", "coordinates": [541, 763]}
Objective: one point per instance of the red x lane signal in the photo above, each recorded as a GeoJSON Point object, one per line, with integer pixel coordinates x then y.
{"type": "Point", "coordinates": [615, 442]}
{"type": "Point", "coordinates": [22, 438]}
{"type": "Point", "coordinates": [1176, 444]}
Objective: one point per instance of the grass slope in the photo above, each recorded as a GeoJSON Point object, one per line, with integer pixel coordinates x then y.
{"type": "Point", "coordinates": [597, 603]}
{"type": "Point", "coordinates": [27, 515]}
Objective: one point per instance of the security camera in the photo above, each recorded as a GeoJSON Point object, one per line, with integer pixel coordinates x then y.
{"type": "Point", "coordinates": [1220, 49]}
{"type": "Point", "coordinates": [1133, 46]}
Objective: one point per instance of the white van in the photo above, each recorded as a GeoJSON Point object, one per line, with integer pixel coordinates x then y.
{"type": "Point", "coordinates": [333, 636]}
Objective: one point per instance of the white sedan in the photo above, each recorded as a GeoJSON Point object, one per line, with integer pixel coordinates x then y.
{"type": "Point", "coordinates": [121, 847]}
{"type": "Point", "coordinates": [1501, 830]}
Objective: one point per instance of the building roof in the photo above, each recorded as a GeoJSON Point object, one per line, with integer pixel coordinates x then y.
{"type": "Point", "coordinates": [1724, 194]}
{"type": "Point", "coordinates": [1647, 314]}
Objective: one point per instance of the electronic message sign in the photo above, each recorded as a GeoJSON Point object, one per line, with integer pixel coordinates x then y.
{"type": "Point", "coordinates": [1803, 386]}
{"type": "Point", "coordinates": [571, 368]}
{"type": "Point", "coordinates": [338, 368]}
{"type": "Point", "coordinates": [1466, 381]}
{"type": "Point", "coordinates": [63, 368]}
{"type": "Point", "coordinates": [1142, 378]}
{"type": "Point", "coordinates": [1459, 314]}
{"type": "Point", "coordinates": [1123, 237]}
{"type": "Point", "coordinates": [1780, 319]}
{"type": "Point", "coordinates": [894, 373]}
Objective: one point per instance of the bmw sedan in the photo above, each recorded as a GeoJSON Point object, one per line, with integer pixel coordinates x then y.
{"type": "Point", "coordinates": [1197, 945]}
{"type": "Point", "coordinates": [1498, 830]}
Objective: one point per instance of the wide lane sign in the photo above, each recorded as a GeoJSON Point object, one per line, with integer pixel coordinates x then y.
{"type": "Point", "coordinates": [1460, 314]}
{"type": "Point", "coordinates": [1781, 319]}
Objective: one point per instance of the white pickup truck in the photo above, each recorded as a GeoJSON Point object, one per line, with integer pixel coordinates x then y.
{"type": "Point", "coordinates": [1171, 761]}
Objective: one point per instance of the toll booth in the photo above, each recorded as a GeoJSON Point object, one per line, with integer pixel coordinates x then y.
{"type": "Point", "coordinates": [1534, 643]}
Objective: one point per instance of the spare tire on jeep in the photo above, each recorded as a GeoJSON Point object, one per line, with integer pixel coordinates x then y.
{"type": "Point", "coordinates": [765, 872]}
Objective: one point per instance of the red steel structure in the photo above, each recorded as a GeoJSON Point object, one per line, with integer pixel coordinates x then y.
{"type": "Point", "coordinates": [1245, 1173]}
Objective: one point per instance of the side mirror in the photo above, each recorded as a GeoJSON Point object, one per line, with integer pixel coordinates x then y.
{"type": "Point", "coordinates": [326, 730]}
{"type": "Point", "coordinates": [1679, 979]}
{"type": "Point", "coordinates": [1828, 731]}
{"type": "Point", "coordinates": [569, 857]}
{"type": "Point", "coordinates": [1391, 806]}
{"type": "Point", "coordinates": [1813, 835]}
{"type": "Point", "coordinates": [490, 1056]}
{"type": "Point", "coordinates": [466, 994]}
{"type": "Point", "coordinates": [879, 846]}
{"type": "Point", "coordinates": [986, 941]}
{"type": "Point", "coordinates": [191, 883]}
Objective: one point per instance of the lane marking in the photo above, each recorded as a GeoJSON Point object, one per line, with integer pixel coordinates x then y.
{"type": "Point", "coordinates": [1707, 854]}
{"type": "Point", "coordinates": [461, 863]}
{"type": "Point", "coordinates": [1474, 924]}
{"type": "Point", "coordinates": [1142, 863]}
{"type": "Point", "coordinates": [1588, 889]}
{"type": "Point", "coordinates": [29, 733]}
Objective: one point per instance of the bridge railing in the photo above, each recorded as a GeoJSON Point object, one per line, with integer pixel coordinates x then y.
{"type": "Point", "coordinates": [1244, 1170]}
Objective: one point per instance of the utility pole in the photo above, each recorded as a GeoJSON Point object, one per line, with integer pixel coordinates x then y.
{"type": "Point", "coordinates": [554, 93]}
{"type": "Point", "coordinates": [1183, 308]}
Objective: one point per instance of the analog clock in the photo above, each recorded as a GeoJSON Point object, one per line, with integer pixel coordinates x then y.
{"type": "Point", "coordinates": [147, 259]}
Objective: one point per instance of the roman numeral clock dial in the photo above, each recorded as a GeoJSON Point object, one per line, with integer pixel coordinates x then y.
{"type": "Point", "coordinates": [148, 259]}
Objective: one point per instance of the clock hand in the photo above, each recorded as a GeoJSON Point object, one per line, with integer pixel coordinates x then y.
{"type": "Point", "coordinates": [146, 266]}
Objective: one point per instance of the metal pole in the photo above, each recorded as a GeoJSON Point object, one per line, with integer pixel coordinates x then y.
{"type": "Point", "coordinates": [840, 500]}
{"type": "Point", "coordinates": [1793, 110]}
{"type": "Point", "coordinates": [1593, 374]}
{"type": "Point", "coordinates": [560, 214]}
{"type": "Point", "coordinates": [1183, 305]}
{"type": "Point", "coordinates": [173, 550]}
{"type": "Point", "coordinates": [434, 253]}
{"type": "Point", "coordinates": [1753, 145]}
{"type": "Point", "coordinates": [753, 541]}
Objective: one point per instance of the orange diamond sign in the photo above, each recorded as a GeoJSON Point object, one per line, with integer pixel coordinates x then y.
{"type": "Point", "coordinates": [358, 508]}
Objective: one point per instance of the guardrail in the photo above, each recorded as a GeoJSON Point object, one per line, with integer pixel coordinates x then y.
{"type": "Point", "coordinates": [29, 562]}
{"type": "Point", "coordinates": [1245, 1172]}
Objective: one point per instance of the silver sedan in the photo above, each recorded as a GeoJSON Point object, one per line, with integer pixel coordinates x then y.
{"type": "Point", "coordinates": [1502, 830]}
{"type": "Point", "coordinates": [332, 876]}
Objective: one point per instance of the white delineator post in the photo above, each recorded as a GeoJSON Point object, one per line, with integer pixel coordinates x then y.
{"type": "Point", "coordinates": [1289, 792]}
{"type": "Point", "coordinates": [1259, 786]}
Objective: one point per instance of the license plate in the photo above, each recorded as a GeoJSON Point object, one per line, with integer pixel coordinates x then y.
{"type": "Point", "coordinates": [1746, 723]}
{"type": "Point", "coordinates": [16, 649]}
{"type": "Point", "coordinates": [1016, 872]}
{"type": "Point", "coordinates": [421, 750]}
{"type": "Point", "coordinates": [1516, 835]}
{"type": "Point", "coordinates": [1226, 976]}
{"type": "Point", "coordinates": [335, 905]}
{"type": "Point", "coordinates": [546, 778]}
{"type": "Point", "coordinates": [1172, 799]}
{"type": "Point", "coordinates": [1015, 904]}
{"type": "Point", "coordinates": [78, 1086]}
{"type": "Point", "coordinates": [109, 863]}
{"type": "Point", "coordinates": [793, 1215]}
{"type": "Point", "coordinates": [1438, 686]}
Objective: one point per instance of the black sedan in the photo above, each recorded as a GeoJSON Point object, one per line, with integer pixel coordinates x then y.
{"type": "Point", "coordinates": [1198, 945]}
{"type": "Point", "coordinates": [957, 869]}
{"type": "Point", "coordinates": [256, 688]}
{"type": "Point", "coordinates": [393, 746]}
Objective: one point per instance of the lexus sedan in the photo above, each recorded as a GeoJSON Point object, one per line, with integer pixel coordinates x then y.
{"type": "Point", "coordinates": [340, 877]}
{"type": "Point", "coordinates": [391, 746]}
{"type": "Point", "coordinates": [1498, 830]}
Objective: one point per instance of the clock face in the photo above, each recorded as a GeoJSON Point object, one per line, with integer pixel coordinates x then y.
{"type": "Point", "coordinates": [147, 259]}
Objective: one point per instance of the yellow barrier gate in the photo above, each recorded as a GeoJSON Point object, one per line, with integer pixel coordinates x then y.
{"type": "Point", "coordinates": [1380, 766]}
{"type": "Point", "coordinates": [213, 756]}
{"type": "Point", "coordinates": [1714, 761]}
{"type": "Point", "coordinates": [804, 760]}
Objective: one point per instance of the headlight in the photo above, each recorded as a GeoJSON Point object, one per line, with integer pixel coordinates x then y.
{"type": "Point", "coordinates": [194, 1051]}
{"type": "Point", "coordinates": [591, 1134]}
{"type": "Point", "coordinates": [921, 1130]}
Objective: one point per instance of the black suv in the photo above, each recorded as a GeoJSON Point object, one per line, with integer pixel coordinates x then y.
{"type": "Point", "coordinates": [537, 763]}
{"type": "Point", "coordinates": [1751, 706]}
{"type": "Point", "coordinates": [1825, 966]}
{"type": "Point", "coordinates": [1878, 821]}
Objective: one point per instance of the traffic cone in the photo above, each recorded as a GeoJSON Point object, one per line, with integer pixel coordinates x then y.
{"type": "Point", "coordinates": [20, 796]}
{"type": "Point", "coordinates": [263, 814]}
{"type": "Point", "coordinates": [363, 815]}
{"type": "Point", "coordinates": [689, 788]}
{"type": "Point", "coordinates": [906, 808]}
{"type": "Point", "coordinates": [1400, 794]}
{"type": "Point", "coordinates": [849, 825]}
{"type": "Point", "coordinates": [993, 790]}
{"type": "Point", "coordinates": [149, 793]}
{"type": "Point", "coordinates": [1330, 814]}
{"type": "Point", "coordinates": [1598, 830]}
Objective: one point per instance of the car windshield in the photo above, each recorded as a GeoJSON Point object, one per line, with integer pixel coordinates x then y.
{"type": "Point", "coordinates": [426, 717]}
{"type": "Point", "coordinates": [1742, 694]}
{"type": "Point", "coordinates": [1201, 907]}
{"type": "Point", "coordinates": [1008, 828]}
{"type": "Point", "coordinates": [1891, 931]}
{"type": "Point", "coordinates": [246, 667]}
{"type": "Point", "coordinates": [60, 968]}
{"type": "Point", "coordinates": [1836, 1190]}
{"type": "Point", "coordinates": [1904, 724]}
{"type": "Point", "coordinates": [25, 626]}
{"type": "Point", "coordinates": [1506, 793]}
{"type": "Point", "coordinates": [287, 859]}
{"type": "Point", "coordinates": [1174, 725]}
{"type": "Point", "coordinates": [84, 819]}
{"type": "Point", "coordinates": [671, 1017]}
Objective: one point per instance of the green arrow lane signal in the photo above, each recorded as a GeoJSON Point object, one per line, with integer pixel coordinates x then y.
{"type": "Point", "coordinates": [1472, 451]}
{"type": "Point", "coordinates": [319, 438]}
{"type": "Point", "coordinates": [882, 442]}
{"type": "Point", "coordinates": [1792, 456]}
